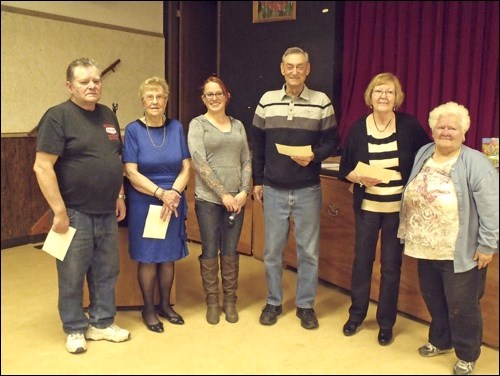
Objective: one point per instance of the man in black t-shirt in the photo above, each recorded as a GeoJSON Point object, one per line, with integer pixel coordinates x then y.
{"type": "Point", "coordinates": [80, 174]}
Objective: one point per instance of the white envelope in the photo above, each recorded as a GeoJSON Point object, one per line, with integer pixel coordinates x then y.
{"type": "Point", "coordinates": [57, 244]}
{"type": "Point", "coordinates": [297, 151]}
{"type": "Point", "coordinates": [375, 172]}
{"type": "Point", "coordinates": [155, 227]}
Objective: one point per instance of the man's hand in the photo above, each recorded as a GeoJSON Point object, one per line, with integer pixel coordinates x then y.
{"type": "Point", "coordinates": [121, 209]}
{"type": "Point", "coordinates": [60, 223]}
{"type": "Point", "coordinates": [302, 160]}
{"type": "Point", "coordinates": [258, 193]}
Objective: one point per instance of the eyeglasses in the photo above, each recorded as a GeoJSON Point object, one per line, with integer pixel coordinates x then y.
{"type": "Point", "coordinates": [219, 95]}
{"type": "Point", "coordinates": [151, 97]}
{"type": "Point", "coordinates": [379, 93]}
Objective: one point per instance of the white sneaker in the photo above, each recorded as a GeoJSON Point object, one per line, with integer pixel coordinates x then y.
{"type": "Point", "coordinates": [112, 333]}
{"type": "Point", "coordinates": [75, 343]}
{"type": "Point", "coordinates": [463, 368]}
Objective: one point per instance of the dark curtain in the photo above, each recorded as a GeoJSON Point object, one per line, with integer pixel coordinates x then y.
{"type": "Point", "coordinates": [440, 50]}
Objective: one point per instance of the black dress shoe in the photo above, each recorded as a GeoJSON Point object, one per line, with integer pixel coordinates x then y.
{"type": "Point", "coordinates": [350, 328]}
{"type": "Point", "coordinates": [157, 328]}
{"type": "Point", "coordinates": [173, 318]}
{"type": "Point", "coordinates": [385, 337]}
{"type": "Point", "coordinates": [308, 318]}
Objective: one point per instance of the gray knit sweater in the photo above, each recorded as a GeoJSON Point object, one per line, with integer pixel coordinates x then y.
{"type": "Point", "coordinates": [221, 160]}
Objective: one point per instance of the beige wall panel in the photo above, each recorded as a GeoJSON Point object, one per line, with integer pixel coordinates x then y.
{"type": "Point", "coordinates": [36, 52]}
{"type": "Point", "coordinates": [140, 15]}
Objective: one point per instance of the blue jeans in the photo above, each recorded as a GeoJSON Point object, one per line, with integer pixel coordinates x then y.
{"type": "Point", "coordinates": [368, 226]}
{"type": "Point", "coordinates": [453, 303]}
{"type": "Point", "coordinates": [93, 253]}
{"type": "Point", "coordinates": [305, 206]}
{"type": "Point", "coordinates": [215, 232]}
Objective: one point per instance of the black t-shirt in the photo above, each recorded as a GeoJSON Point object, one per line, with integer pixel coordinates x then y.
{"type": "Point", "coordinates": [88, 143]}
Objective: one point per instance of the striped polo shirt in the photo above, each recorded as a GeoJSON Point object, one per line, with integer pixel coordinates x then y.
{"type": "Point", "coordinates": [307, 119]}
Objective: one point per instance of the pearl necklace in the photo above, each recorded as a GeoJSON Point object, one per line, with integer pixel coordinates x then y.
{"type": "Point", "coordinates": [376, 126]}
{"type": "Point", "coordinates": [150, 138]}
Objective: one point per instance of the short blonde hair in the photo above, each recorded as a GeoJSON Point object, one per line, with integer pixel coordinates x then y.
{"type": "Point", "coordinates": [153, 82]}
{"type": "Point", "coordinates": [450, 108]}
{"type": "Point", "coordinates": [381, 79]}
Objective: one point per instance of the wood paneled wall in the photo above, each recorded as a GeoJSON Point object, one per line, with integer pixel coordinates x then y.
{"type": "Point", "coordinates": [22, 200]}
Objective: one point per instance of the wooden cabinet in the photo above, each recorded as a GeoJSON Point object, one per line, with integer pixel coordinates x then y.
{"type": "Point", "coordinates": [127, 291]}
{"type": "Point", "coordinates": [489, 304]}
{"type": "Point", "coordinates": [193, 230]}
{"type": "Point", "coordinates": [258, 234]}
{"type": "Point", "coordinates": [337, 234]}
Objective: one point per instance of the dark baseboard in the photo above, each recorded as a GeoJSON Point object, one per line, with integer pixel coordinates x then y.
{"type": "Point", "coordinates": [28, 239]}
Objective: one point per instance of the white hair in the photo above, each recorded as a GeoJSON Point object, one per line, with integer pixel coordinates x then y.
{"type": "Point", "coordinates": [450, 108]}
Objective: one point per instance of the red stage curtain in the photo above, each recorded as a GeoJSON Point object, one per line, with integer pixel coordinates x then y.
{"type": "Point", "coordinates": [441, 51]}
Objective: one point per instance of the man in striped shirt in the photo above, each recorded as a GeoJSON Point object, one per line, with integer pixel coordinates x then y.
{"type": "Point", "coordinates": [289, 186]}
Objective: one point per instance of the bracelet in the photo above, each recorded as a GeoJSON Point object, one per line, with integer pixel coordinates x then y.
{"type": "Point", "coordinates": [122, 196]}
{"type": "Point", "coordinates": [176, 191]}
{"type": "Point", "coordinates": [154, 194]}
{"type": "Point", "coordinates": [161, 195]}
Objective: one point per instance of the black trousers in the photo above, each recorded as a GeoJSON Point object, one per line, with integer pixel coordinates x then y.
{"type": "Point", "coordinates": [453, 303]}
{"type": "Point", "coordinates": [368, 226]}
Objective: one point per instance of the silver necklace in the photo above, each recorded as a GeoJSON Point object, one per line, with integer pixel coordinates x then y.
{"type": "Point", "coordinates": [376, 126]}
{"type": "Point", "coordinates": [150, 138]}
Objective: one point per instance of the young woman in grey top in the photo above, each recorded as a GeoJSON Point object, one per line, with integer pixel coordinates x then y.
{"type": "Point", "coordinates": [221, 158]}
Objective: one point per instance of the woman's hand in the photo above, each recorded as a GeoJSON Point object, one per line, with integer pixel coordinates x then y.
{"type": "Point", "coordinates": [165, 213]}
{"type": "Point", "coordinates": [368, 182]}
{"type": "Point", "coordinates": [230, 203]}
{"type": "Point", "coordinates": [482, 259]}
{"type": "Point", "coordinates": [241, 198]}
{"type": "Point", "coordinates": [171, 200]}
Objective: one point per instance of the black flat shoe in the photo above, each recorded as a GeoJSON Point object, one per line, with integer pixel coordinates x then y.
{"type": "Point", "coordinates": [157, 328]}
{"type": "Point", "coordinates": [350, 328]}
{"type": "Point", "coordinates": [385, 337]}
{"type": "Point", "coordinates": [173, 318]}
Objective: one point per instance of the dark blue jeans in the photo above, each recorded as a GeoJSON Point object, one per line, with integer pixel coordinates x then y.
{"type": "Point", "coordinates": [368, 225]}
{"type": "Point", "coordinates": [453, 303]}
{"type": "Point", "coordinates": [93, 253]}
{"type": "Point", "coordinates": [215, 232]}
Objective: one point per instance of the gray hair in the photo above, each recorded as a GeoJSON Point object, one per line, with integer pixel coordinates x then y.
{"type": "Point", "coordinates": [82, 62]}
{"type": "Point", "coordinates": [295, 50]}
{"type": "Point", "coordinates": [450, 108]}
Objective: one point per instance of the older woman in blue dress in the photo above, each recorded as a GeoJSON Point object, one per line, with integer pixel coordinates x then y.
{"type": "Point", "coordinates": [157, 163]}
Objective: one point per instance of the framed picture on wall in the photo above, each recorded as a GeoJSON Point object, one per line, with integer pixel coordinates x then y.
{"type": "Point", "coordinates": [271, 11]}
